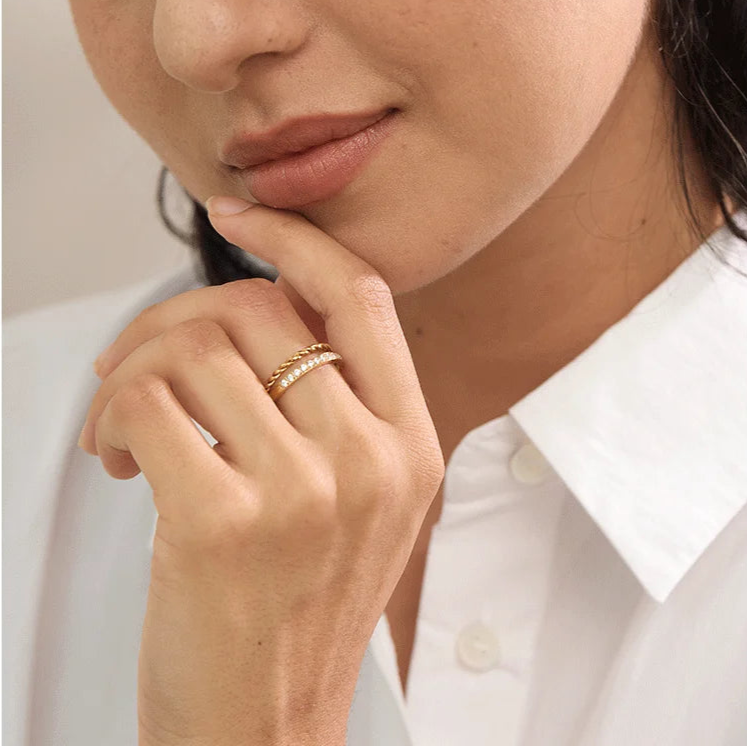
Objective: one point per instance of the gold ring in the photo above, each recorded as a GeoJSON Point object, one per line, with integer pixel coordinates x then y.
{"type": "Point", "coordinates": [289, 361]}
{"type": "Point", "coordinates": [301, 370]}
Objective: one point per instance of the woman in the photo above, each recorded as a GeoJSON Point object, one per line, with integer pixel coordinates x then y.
{"type": "Point", "coordinates": [513, 510]}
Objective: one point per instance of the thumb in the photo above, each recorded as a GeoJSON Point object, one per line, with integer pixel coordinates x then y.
{"type": "Point", "coordinates": [311, 319]}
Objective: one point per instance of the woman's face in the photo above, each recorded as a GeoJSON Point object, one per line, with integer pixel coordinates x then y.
{"type": "Point", "coordinates": [497, 97]}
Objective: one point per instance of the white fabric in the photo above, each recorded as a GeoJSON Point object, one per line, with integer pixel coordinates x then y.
{"type": "Point", "coordinates": [586, 584]}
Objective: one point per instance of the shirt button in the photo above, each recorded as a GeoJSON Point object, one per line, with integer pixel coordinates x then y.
{"type": "Point", "coordinates": [528, 465]}
{"type": "Point", "coordinates": [477, 647]}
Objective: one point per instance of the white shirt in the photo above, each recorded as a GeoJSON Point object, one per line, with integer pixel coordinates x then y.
{"type": "Point", "coordinates": [586, 583]}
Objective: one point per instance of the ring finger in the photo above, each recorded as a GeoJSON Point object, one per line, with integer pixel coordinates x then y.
{"type": "Point", "coordinates": [214, 385]}
{"type": "Point", "coordinates": [266, 330]}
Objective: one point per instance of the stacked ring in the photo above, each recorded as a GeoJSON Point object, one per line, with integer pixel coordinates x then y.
{"type": "Point", "coordinates": [276, 388]}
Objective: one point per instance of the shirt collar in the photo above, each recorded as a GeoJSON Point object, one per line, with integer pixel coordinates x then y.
{"type": "Point", "coordinates": [648, 426]}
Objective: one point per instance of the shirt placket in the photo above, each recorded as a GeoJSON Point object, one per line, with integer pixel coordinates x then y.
{"type": "Point", "coordinates": [483, 597]}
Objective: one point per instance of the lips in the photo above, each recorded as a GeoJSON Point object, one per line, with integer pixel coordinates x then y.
{"type": "Point", "coordinates": [296, 136]}
{"type": "Point", "coordinates": [312, 174]}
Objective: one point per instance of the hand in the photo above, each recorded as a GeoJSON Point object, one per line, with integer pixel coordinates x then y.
{"type": "Point", "coordinates": [276, 550]}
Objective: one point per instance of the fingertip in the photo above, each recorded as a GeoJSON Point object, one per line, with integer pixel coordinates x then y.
{"type": "Point", "coordinates": [221, 206]}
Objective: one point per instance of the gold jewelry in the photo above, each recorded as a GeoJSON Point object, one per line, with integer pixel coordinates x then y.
{"type": "Point", "coordinates": [295, 357]}
{"type": "Point", "coordinates": [276, 389]}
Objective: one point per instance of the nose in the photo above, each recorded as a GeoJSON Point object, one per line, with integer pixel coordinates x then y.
{"type": "Point", "coordinates": [203, 43]}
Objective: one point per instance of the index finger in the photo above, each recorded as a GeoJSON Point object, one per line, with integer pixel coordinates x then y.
{"type": "Point", "coordinates": [351, 297]}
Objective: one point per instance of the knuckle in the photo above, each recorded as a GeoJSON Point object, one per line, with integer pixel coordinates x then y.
{"type": "Point", "coordinates": [377, 478]}
{"type": "Point", "coordinates": [197, 339]}
{"type": "Point", "coordinates": [318, 474]}
{"type": "Point", "coordinates": [371, 291]}
{"type": "Point", "coordinates": [259, 297]}
{"type": "Point", "coordinates": [140, 393]}
{"type": "Point", "coordinates": [324, 493]}
{"type": "Point", "coordinates": [307, 520]}
{"type": "Point", "coordinates": [311, 509]}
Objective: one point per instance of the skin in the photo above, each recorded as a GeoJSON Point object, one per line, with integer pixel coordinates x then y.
{"type": "Point", "coordinates": [527, 200]}
{"type": "Point", "coordinates": [276, 550]}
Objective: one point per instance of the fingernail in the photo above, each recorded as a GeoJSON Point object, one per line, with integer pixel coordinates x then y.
{"type": "Point", "coordinates": [226, 205]}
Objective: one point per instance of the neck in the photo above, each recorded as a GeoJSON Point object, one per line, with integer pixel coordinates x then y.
{"type": "Point", "coordinates": [608, 231]}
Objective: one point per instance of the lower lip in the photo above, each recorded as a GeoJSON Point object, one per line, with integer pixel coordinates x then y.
{"type": "Point", "coordinates": [318, 173]}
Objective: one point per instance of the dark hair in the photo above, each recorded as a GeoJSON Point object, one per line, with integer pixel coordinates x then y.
{"type": "Point", "coordinates": [703, 46]}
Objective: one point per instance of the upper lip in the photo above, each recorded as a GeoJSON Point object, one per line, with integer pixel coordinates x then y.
{"type": "Point", "coordinates": [294, 136]}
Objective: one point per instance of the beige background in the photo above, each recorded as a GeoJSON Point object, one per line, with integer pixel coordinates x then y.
{"type": "Point", "coordinates": [79, 186]}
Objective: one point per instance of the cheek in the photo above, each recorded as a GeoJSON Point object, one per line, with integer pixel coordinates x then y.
{"type": "Point", "coordinates": [575, 69]}
{"type": "Point", "coordinates": [493, 123]}
{"type": "Point", "coordinates": [527, 85]}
